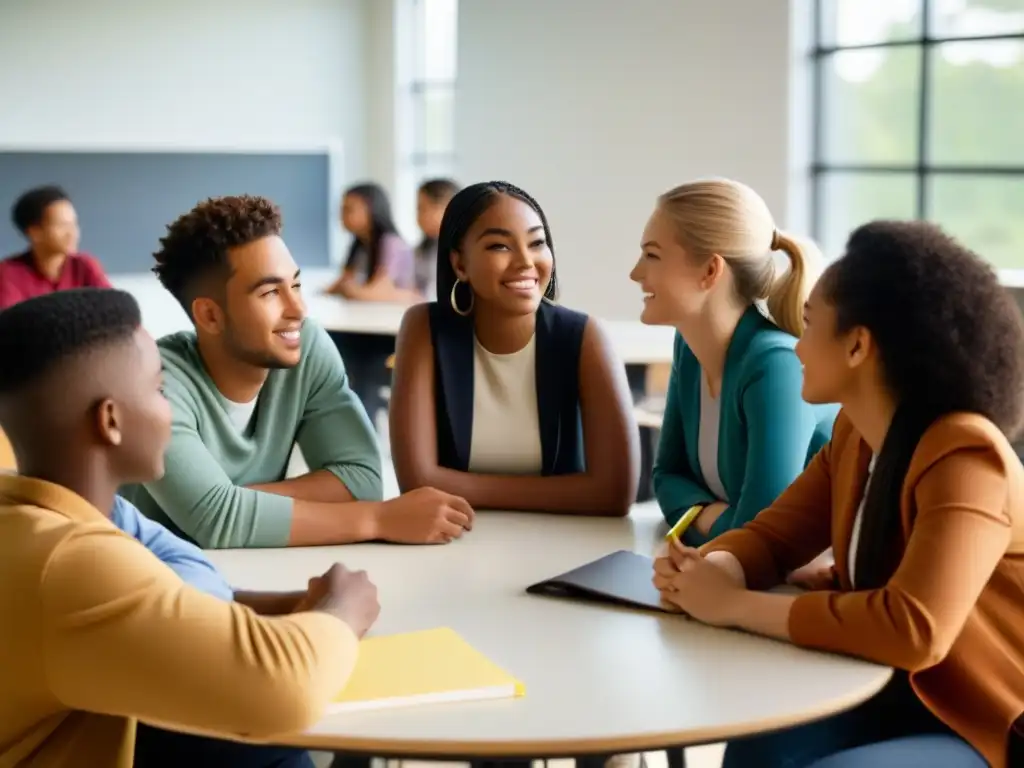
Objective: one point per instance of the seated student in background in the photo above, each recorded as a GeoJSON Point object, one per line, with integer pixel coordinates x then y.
{"type": "Point", "coordinates": [380, 265]}
{"type": "Point", "coordinates": [500, 395]}
{"type": "Point", "coordinates": [98, 632]}
{"type": "Point", "coordinates": [47, 219]}
{"type": "Point", "coordinates": [254, 378]}
{"type": "Point", "coordinates": [921, 497]}
{"type": "Point", "coordinates": [736, 431]}
{"type": "Point", "coordinates": [431, 200]}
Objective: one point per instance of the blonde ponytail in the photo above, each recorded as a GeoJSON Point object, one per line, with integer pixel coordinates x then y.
{"type": "Point", "coordinates": [789, 292]}
{"type": "Point", "coordinates": [728, 218]}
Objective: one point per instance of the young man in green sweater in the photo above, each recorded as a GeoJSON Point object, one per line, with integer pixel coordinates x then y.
{"type": "Point", "coordinates": [253, 379]}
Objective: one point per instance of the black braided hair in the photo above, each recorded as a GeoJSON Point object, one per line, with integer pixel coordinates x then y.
{"type": "Point", "coordinates": [462, 211]}
{"type": "Point", "coordinates": [40, 333]}
{"type": "Point", "coordinates": [949, 337]}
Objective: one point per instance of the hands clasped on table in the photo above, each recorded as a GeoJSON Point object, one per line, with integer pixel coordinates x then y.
{"type": "Point", "coordinates": [704, 587]}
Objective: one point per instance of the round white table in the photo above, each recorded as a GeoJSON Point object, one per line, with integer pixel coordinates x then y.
{"type": "Point", "coordinates": [598, 679]}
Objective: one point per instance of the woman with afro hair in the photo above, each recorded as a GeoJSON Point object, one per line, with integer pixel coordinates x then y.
{"type": "Point", "coordinates": [921, 497]}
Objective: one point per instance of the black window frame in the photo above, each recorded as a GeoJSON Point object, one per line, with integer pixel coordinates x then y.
{"type": "Point", "coordinates": [922, 170]}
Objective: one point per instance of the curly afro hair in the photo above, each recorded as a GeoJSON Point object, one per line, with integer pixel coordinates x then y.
{"type": "Point", "coordinates": [196, 244]}
{"type": "Point", "coordinates": [950, 338]}
{"type": "Point", "coordinates": [40, 333]}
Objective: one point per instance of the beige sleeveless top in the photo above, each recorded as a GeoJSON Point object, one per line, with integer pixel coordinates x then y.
{"type": "Point", "coordinates": [506, 426]}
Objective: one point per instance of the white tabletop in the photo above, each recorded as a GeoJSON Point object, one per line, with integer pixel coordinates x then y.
{"type": "Point", "coordinates": [635, 342]}
{"type": "Point", "coordinates": [598, 678]}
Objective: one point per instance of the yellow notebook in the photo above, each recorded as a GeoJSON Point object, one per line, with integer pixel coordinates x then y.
{"type": "Point", "coordinates": [427, 667]}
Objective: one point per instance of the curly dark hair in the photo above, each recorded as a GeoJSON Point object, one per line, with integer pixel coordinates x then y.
{"type": "Point", "coordinates": [39, 333]}
{"type": "Point", "coordinates": [196, 244]}
{"type": "Point", "coordinates": [462, 211]}
{"type": "Point", "coordinates": [29, 209]}
{"type": "Point", "coordinates": [950, 338]}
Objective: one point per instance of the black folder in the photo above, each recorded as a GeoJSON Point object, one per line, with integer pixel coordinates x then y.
{"type": "Point", "coordinates": [622, 578]}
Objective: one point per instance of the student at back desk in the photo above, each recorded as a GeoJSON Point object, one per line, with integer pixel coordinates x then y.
{"type": "Point", "coordinates": [46, 217]}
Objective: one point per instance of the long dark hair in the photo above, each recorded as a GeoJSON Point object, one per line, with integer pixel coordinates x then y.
{"type": "Point", "coordinates": [436, 191]}
{"type": "Point", "coordinates": [950, 338]}
{"type": "Point", "coordinates": [462, 211]}
{"type": "Point", "coordinates": [381, 223]}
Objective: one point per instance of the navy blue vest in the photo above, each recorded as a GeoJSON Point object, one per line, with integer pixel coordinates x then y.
{"type": "Point", "coordinates": [559, 339]}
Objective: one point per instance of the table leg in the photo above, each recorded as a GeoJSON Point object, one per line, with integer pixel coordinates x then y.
{"type": "Point", "coordinates": [676, 757]}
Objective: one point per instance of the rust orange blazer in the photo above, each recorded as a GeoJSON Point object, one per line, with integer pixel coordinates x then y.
{"type": "Point", "coordinates": [953, 612]}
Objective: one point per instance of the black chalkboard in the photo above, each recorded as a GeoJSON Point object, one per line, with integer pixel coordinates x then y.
{"type": "Point", "coordinates": [125, 200]}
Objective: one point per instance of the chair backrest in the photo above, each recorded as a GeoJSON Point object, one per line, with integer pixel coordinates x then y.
{"type": "Point", "coordinates": [6, 453]}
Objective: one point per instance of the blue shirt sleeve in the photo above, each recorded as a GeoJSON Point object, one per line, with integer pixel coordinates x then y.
{"type": "Point", "coordinates": [184, 558]}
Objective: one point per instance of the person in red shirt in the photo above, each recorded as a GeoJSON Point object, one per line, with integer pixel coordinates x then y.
{"type": "Point", "coordinates": [47, 219]}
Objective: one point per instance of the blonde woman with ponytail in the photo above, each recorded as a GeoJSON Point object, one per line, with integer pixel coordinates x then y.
{"type": "Point", "coordinates": [736, 431]}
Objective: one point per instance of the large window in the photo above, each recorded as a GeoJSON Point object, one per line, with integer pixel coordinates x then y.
{"type": "Point", "coordinates": [920, 114]}
{"type": "Point", "coordinates": [433, 88]}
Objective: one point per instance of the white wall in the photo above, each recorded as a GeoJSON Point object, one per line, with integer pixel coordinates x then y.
{"type": "Point", "coordinates": [186, 73]}
{"type": "Point", "coordinates": [597, 106]}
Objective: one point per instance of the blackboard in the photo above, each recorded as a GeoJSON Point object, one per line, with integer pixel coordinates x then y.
{"type": "Point", "coordinates": [126, 199]}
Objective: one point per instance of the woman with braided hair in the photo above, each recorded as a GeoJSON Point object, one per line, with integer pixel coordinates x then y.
{"type": "Point", "coordinates": [500, 395]}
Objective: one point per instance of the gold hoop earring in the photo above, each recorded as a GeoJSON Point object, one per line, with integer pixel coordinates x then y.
{"type": "Point", "coordinates": [455, 301]}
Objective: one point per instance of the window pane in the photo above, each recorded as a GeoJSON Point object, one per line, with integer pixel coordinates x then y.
{"type": "Point", "coordinates": [974, 18]}
{"type": "Point", "coordinates": [434, 119]}
{"type": "Point", "coordinates": [438, 27]}
{"type": "Point", "coordinates": [977, 110]}
{"type": "Point", "coordinates": [856, 22]}
{"type": "Point", "coordinates": [984, 212]}
{"type": "Point", "coordinates": [850, 199]}
{"type": "Point", "coordinates": [871, 105]}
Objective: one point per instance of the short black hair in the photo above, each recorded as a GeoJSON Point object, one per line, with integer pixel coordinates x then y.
{"type": "Point", "coordinates": [463, 210]}
{"type": "Point", "coordinates": [950, 338]}
{"type": "Point", "coordinates": [41, 332]}
{"type": "Point", "coordinates": [196, 244]}
{"type": "Point", "coordinates": [439, 190]}
{"type": "Point", "coordinates": [382, 222]}
{"type": "Point", "coordinates": [30, 208]}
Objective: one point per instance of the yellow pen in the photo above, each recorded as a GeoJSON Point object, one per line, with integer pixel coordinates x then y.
{"type": "Point", "coordinates": [684, 522]}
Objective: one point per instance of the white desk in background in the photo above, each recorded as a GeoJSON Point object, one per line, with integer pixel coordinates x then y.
{"type": "Point", "coordinates": [637, 344]}
{"type": "Point", "coordinates": [599, 679]}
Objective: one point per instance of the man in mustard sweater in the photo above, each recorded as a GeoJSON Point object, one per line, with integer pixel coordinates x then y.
{"type": "Point", "coordinates": [97, 632]}
{"type": "Point", "coordinates": [255, 377]}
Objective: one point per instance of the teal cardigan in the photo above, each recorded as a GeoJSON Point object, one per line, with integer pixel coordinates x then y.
{"type": "Point", "coordinates": [767, 434]}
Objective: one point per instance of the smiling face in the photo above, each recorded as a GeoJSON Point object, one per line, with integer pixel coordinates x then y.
{"type": "Point", "coordinates": [260, 320]}
{"type": "Point", "coordinates": [505, 257]}
{"type": "Point", "coordinates": [673, 282]}
{"type": "Point", "coordinates": [833, 361]}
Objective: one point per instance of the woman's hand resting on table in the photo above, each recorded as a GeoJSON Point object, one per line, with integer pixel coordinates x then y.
{"type": "Point", "coordinates": [705, 587]}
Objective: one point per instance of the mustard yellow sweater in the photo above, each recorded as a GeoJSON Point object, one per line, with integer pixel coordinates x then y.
{"type": "Point", "coordinates": [95, 633]}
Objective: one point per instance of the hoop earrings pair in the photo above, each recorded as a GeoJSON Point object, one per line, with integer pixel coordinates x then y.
{"type": "Point", "coordinates": [472, 299]}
